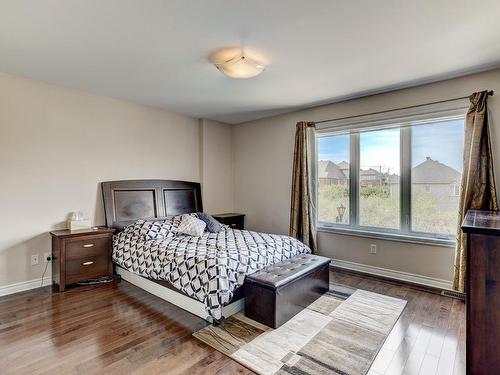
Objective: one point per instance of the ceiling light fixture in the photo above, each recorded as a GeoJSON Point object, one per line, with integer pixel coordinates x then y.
{"type": "Point", "coordinates": [240, 67]}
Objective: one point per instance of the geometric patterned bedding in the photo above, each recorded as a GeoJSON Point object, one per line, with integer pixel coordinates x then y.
{"type": "Point", "coordinates": [208, 268]}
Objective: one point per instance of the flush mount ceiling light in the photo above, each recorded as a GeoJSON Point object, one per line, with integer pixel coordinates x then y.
{"type": "Point", "coordinates": [239, 66]}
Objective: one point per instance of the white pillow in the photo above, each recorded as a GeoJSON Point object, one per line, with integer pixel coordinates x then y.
{"type": "Point", "coordinates": [191, 226]}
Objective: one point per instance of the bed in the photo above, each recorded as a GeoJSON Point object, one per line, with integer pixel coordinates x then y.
{"type": "Point", "coordinates": [203, 275]}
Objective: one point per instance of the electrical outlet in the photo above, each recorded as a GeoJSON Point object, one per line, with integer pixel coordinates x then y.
{"type": "Point", "coordinates": [47, 255]}
{"type": "Point", "coordinates": [373, 249]}
{"type": "Point", "coordinates": [34, 259]}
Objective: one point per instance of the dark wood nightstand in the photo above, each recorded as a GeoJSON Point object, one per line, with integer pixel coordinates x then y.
{"type": "Point", "coordinates": [81, 255]}
{"type": "Point", "coordinates": [235, 221]}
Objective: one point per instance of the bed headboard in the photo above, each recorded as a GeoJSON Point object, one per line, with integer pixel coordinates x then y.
{"type": "Point", "coordinates": [129, 200]}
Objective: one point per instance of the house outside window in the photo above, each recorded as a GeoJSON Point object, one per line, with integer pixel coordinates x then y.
{"type": "Point", "coordinates": [392, 177]}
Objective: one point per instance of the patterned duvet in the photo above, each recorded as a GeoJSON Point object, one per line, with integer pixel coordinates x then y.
{"type": "Point", "coordinates": [210, 267]}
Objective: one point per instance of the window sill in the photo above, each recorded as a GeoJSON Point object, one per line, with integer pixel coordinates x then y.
{"type": "Point", "coordinates": [387, 236]}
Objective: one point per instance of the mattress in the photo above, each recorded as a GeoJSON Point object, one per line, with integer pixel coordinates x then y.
{"type": "Point", "coordinates": [209, 268]}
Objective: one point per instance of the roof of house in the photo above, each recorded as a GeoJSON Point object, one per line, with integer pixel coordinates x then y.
{"type": "Point", "coordinates": [343, 165]}
{"type": "Point", "coordinates": [428, 172]}
{"type": "Point", "coordinates": [328, 169]}
{"type": "Point", "coordinates": [434, 172]}
{"type": "Point", "coordinates": [369, 172]}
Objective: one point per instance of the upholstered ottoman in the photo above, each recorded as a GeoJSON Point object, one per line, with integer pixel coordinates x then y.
{"type": "Point", "coordinates": [276, 293]}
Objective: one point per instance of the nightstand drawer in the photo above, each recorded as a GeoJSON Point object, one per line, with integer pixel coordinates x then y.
{"type": "Point", "coordinates": [86, 268]}
{"type": "Point", "coordinates": [234, 221]}
{"type": "Point", "coordinates": [87, 247]}
{"type": "Point", "coordinates": [81, 255]}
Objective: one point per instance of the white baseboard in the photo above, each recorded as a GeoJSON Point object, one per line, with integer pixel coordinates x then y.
{"type": "Point", "coordinates": [372, 270]}
{"type": "Point", "coordinates": [24, 285]}
{"type": "Point", "coordinates": [393, 274]}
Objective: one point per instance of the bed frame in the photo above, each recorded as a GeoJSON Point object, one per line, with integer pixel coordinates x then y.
{"type": "Point", "coordinates": [129, 200]}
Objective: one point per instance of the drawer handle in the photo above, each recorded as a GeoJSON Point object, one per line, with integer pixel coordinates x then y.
{"type": "Point", "coordinates": [87, 263]}
{"type": "Point", "coordinates": [88, 245]}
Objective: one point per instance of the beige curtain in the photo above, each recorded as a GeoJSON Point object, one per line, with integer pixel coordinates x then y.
{"type": "Point", "coordinates": [478, 181]}
{"type": "Point", "coordinates": [302, 224]}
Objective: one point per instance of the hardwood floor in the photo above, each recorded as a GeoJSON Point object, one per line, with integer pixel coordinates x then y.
{"type": "Point", "coordinates": [118, 329]}
{"type": "Point", "coordinates": [429, 337]}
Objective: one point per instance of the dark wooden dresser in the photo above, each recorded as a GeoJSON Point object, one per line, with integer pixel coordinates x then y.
{"type": "Point", "coordinates": [235, 221]}
{"type": "Point", "coordinates": [81, 255]}
{"type": "Point", "coordinates": [483, 292]}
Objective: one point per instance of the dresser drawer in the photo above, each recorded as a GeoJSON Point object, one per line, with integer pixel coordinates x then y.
{"type": "Point", "coordinates": [87, 268]}
{"type": "Point", "coordinates": [87, 247]}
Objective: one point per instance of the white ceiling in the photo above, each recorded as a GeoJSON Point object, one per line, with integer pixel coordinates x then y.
{"type": "Point", "coordinates": [156, 52]}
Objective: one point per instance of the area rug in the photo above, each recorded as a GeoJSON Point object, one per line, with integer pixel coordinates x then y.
{"type": "Point", "coordinates": [340, 333]}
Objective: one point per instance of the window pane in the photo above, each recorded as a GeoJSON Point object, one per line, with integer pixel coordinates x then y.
{"type": "Point", "coordinates": [333, 179]}
{"type": "Point", "coordinates": [437, 151]}
{"type": "Point", "coordinates": [379, 179]}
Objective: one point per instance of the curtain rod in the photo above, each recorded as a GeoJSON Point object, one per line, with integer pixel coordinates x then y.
{"type": "Point", "coordinates": [490, 93]}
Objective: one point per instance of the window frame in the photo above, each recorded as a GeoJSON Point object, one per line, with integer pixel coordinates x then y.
{"type": "Point", "coordinates": [403, 119]}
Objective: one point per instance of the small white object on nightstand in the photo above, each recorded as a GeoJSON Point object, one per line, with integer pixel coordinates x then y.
{"type": "Point", "coordinates": [77, 221]}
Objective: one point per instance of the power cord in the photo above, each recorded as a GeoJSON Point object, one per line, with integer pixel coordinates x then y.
{"type": "Point", "coordinates": [49, 258]}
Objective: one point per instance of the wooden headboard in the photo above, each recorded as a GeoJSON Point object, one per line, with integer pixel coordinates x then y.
{"type": "Point", "coordinates": [129, 200]}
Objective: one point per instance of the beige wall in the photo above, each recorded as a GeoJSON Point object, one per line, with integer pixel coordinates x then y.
{"type": "Point", "coordinates": [263, 152]}
{"type": "Point", "coordinates": [217, 166]}
{"type": "Point", "coordinates": [57, 144]}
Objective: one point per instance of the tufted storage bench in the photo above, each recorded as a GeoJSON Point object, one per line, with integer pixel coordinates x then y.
{"type": "Point", "coordinates": [276, 293]}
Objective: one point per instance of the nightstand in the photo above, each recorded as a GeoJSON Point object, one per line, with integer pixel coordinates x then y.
{"type": "Point", "coordinates": [235, 221]}
{"type": "Point", "coordinates": [81, 255]}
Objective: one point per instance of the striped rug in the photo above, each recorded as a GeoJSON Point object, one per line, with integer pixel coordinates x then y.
{"type": "Point", "coordinates": [340, 333]}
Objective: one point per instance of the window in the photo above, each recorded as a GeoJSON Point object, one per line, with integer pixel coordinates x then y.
{"type": "Point", "coordinates": [333, 179]}
{"type": "Point", "coordinates": [379, 163]}
{"type": "Point", "coordinates": [392, 177]}
{"type": "Point", "coordinates": [436, 154]}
